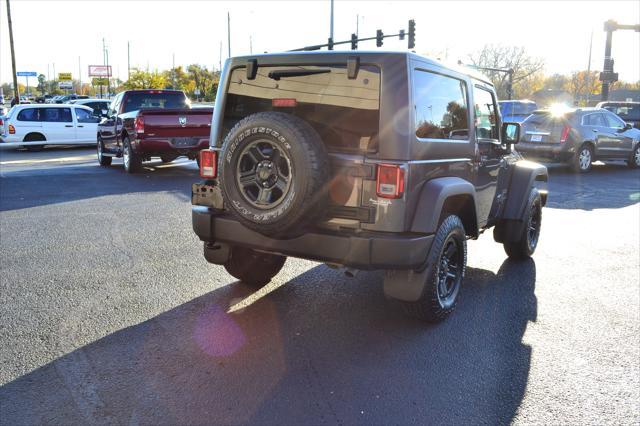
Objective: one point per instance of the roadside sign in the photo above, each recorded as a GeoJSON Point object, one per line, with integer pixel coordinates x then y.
{"type": "Point", "coordinates": [65, 84]}
{"type": "Point", "coordinates": [99, 70]}
{"type": "Point", "coordinates": [97, 81]}
{"type": "Point", "coordinates": [64, 76]}
{"type": "Point", "coordinates": [196, 92]}
{"type": "Point", "coordinates": [27, 74]}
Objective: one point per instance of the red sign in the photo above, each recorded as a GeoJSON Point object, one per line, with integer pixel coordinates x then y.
{"type": "Point", "coordinates": [99, 70]}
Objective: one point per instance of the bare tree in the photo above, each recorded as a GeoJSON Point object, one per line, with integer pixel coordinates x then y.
{"type": "Point", "coordinates": [525, 68]}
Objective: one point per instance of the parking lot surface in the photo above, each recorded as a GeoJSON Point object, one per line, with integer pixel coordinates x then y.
{"type": "Point", "coordinates": [109, 314]}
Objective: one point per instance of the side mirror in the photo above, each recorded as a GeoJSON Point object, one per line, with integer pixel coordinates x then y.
{"type": "Point", "coordinates": [627, 126]}
{"type": "Point", "coordinates": [510, 133]}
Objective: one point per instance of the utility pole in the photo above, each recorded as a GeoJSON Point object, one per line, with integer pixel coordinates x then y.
{"type": "Point", "coordinates": [588, 78]}
{"type": "Point", "coordinates": [357, 26]}
{"type": "Point", "coordinates": [331, 22]}
{"type": "Point", "coordinates": [16, 89]}
{"type": "Point", "coordinates": [80, 75]}
{"type": "Point", "coordinates": [173, 84]}
{"type": "Point", "coordinates": [108, 75]}
{"type": "Point", "coordinates": [229, 33]}
{"type": "Point", "coordinates": [250, 45]}
{"type": "Point", "coordinates": [607, 76]}
{"type": "Point", "coordinates": [128, 62]}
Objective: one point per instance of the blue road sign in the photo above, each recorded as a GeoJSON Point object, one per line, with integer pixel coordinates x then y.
{"type": "Point", "coordinates": [27, 74]}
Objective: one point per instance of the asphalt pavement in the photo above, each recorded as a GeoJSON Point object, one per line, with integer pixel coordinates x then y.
{"type": "Point", "coordinates": [109, 314]}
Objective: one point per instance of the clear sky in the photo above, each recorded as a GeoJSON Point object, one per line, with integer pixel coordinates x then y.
{"type": "Point", "coordinates": [58, 32]}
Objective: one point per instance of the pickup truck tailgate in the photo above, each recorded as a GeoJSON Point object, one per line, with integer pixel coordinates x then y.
{"type": "Point", "coordinates": [177, 122]}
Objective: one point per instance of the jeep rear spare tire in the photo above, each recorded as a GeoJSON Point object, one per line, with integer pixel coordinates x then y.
{"type": "Point", "coordinates": [274, 172]}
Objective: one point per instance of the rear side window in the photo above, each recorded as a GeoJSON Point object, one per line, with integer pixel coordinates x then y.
{"type": "Point", "coordinates": [441, 106]}
{"type": "Point", "coordinates": [485, 114]}
{"type": "Point", "coordinates": [29, 114]}
{"type": "Point", "coordinates": [517, 108]}
{"type": "Point", "coordinates": [594, 120]}
{"type": "Point", "coordinates": [57, 115]}
{"type": "Point", "coordinates": [345, 112]}
{"type": "Point", "coordinates": [137, 101]}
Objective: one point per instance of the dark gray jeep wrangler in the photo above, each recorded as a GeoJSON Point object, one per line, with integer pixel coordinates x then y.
{"type": "Point", "coordinates": [362, 160]}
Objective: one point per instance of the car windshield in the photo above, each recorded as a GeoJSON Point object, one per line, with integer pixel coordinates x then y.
{"type": "Point", "coordinates": [517, 108]}
{"type": "Point", "coordinates": [137, 101]}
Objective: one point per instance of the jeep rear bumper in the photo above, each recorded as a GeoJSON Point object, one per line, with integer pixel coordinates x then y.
{"type": "Point", "coordinates": [363, 251]}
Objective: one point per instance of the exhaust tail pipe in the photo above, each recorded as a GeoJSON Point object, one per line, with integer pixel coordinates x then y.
{"type": "Point", "coordinates": [350, 272]}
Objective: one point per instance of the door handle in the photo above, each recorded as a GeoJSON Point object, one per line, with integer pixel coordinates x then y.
{"type": "Point", "coordinates": [595, 130]}
{"type": "Point", "coordinates": [80, 126]}
{"type": "Point", "coordinates": [68, 125]}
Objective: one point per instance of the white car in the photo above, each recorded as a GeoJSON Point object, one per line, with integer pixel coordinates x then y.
{"type": "Point", "coordinates": [99, 106]}
{"type": "Point", "coordinates": [37, 125]}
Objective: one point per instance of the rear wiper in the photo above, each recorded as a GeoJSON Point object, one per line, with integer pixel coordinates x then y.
{"type": "Point", "coordinates": [277, 75]}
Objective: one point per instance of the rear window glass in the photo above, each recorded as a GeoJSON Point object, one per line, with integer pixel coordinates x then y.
{"type": "Point", "coordinates": [345, 112]}
{"type": "Point", "coordinates": [626, 112]}
{"type": "Point", "coordinates": [546, 117]}
{"type": "Point", "coordinates": [136, 101]}
{"type": "Point", "coordinates": [517, 108]}
{"type": "Point", "coordinates": [29, 114]}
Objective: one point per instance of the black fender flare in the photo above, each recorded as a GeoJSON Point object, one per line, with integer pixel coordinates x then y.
{"type": "Point", "coordinates": [433, 195]}
{"type": "Point", "coordinates": [524, 176]}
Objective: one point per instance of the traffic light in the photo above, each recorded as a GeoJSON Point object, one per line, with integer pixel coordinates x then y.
{"type": "Point", "coordinates": [330, 43]}
{"type": "Point", "coordinates": [379, 37]}
{"type": "Point", "coordinates": [412, 34]}
{"type": "Point", "coordinates": [354, 42]}
{"type": "Point", "coordinates": [401, 35]}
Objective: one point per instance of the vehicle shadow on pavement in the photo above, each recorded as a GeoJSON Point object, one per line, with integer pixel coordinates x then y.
{"type": "Point", "coordinates": [606, 186]}
{"type": "Point", "coordinates": [334, 353]}
{"type": "Point", "coordinates": [45, 186]}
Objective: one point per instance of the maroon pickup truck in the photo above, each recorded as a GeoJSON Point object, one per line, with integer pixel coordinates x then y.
{"type": "Point", "coordinates": [142, 124]}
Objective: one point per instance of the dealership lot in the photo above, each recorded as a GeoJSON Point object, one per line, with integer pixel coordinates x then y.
{"type": "Point", "coordinates": [110, 314]}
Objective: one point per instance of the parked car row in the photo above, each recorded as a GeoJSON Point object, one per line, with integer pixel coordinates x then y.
{"type": "Point", "coordinates": [137, 125]}
{"type": "Point", "coordinates": [578, 137]}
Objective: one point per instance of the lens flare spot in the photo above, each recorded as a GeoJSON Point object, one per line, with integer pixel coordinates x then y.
{"type": "Point", "coordinates": [217, 334]}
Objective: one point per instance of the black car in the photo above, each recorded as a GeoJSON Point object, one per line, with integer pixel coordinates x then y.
{"type": "Point", "coordinates": [362, 160]}
{"type": "Point", "coordinates": [578, 137]}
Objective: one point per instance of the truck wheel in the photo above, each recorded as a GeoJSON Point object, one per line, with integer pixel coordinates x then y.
{"type": "Point", "coordinates": [526, 245]}
{"type": "Point", "coordinates": [634, 160]}
{"type": "Point", "coordinates": [447, 260]}
{"type": "Point", "coordinates": [168, 158]}
{"type": "Point", "coordinates": [104, 160]}
{"type": "Point", "coordinates": [252, 267]}
{"type": "Point", "coordinates": [581, 162]}
{"type": "Point", "coordinates": [274, 173]}
{"type": "Point", "coordinates": [132, 162]}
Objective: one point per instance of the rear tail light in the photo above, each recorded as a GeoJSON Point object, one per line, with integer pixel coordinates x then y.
{"type": "Point", "coordinates": [565, 133]}
{"type": "Point", "coordinates": [284, 102]}
{"type": "Point", "coordinates": [1, 122]}
{"type": "Point", "coordinates": [390, 181]}
{"type": "Point", "coordinates": [139, 124]}
{"type": "Point", "coordinates": [12, 130]}
{"type": "Point", "coordinates": [208, 163]}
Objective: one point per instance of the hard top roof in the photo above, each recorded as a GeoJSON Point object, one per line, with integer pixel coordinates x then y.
{"type": "Point", "coordinates": [372, 56]}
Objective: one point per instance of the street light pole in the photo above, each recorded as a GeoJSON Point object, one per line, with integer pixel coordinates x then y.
{"type": "Point", "coordinates": [16, 89]}
{"type": "Point", "coordinates": [331, 22]}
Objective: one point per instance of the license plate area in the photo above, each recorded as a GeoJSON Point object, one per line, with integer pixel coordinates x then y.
{"type": "Point", "coordinates": [536, 138]}
{"type": "Point", "coordinates": [205, 194]}
{"type": "Point", "coordinates": [184, 142]}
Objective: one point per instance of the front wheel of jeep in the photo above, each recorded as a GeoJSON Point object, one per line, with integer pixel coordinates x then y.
{"type": "Point", "coordinates": [447, 263]}
{"type": "Point", "coordinates": [252, 267]}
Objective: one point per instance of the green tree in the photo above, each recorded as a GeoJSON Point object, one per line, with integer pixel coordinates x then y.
{"type": "Point", "coordinates": [140, 79]}
{"type": "Point", "coordinates": [42, 83]}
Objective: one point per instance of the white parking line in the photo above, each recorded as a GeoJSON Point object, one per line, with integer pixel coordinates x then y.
{"type": "Point", "coordinates": [49, 160]}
